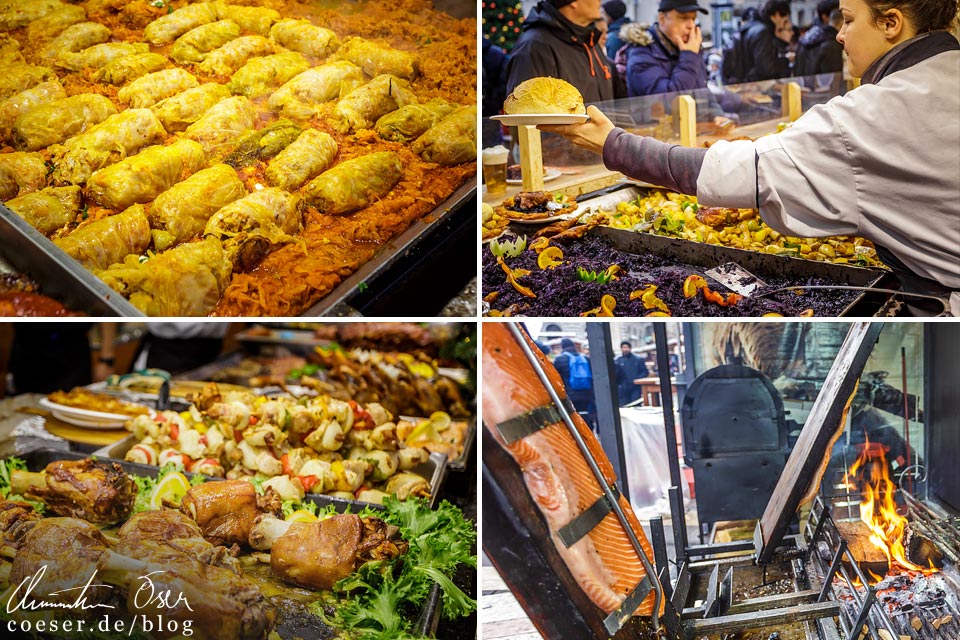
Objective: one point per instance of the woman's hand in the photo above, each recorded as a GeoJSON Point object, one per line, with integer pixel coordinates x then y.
{"type": "Point", "coordinates": [589, 135]}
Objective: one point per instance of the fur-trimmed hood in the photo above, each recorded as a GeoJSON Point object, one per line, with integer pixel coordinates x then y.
{"type": "Point", "coordinates": [636, 33]}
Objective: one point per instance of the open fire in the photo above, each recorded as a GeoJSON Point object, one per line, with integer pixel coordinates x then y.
{"type": "Point", "coordinates": [870, 474]}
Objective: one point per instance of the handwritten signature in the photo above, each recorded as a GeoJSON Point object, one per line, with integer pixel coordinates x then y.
{"type": "Point", "coordinates": [147, 595]}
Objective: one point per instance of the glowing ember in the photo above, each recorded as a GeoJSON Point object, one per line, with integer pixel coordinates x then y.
{"type": "Point", "coordinates": [878, 509]}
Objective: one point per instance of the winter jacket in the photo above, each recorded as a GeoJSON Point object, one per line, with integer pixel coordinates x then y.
{"type": "Point", "coordinates": [765, 55]}
{"type": "Point", "coordinates": [614, 42]}
{"type": "Point", "coordinates": [494, 76]}
{"type": "Point", "coordinates": [655, 65]}
{"type": "Point", "coordinates": [819, 52]}
{"type": "Point", "coordinates": [551, 45]}
{"type": "Point", "coordinates": [629, 368]}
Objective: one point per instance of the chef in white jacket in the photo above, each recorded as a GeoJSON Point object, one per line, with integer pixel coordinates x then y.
{"type": "Point", "coordinates": [881, 162]}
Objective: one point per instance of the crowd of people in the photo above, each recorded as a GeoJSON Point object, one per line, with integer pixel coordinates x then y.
{"type": "Point", "coordinates": [599, 50]}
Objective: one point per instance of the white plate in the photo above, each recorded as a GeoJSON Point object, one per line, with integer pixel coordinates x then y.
{"type": "Point", "coordinates": [85, 417]}
{"type": "Point", "coordinates": [516, 119]}
{"type": "Point", "coordinates": [551, 174]}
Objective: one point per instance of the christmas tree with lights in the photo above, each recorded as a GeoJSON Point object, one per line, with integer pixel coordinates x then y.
{"type": "Point", "coordinates": [501, 22]}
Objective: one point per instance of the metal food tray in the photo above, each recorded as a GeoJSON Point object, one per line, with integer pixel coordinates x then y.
{"type": "Point", "coordinates": [434, 470]}
{"type": "Point", "coordinates": [296, 626]}
{"type": "Point", "coordinates": [709, 255]}
{"type": "Point", "coordinates": [61, 277]}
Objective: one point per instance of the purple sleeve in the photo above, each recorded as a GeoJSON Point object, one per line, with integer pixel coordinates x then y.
{"type": "Point", "coordinates": [648, 159]}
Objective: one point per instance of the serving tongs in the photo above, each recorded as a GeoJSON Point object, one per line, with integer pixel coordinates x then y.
{"type": "Point", "coordinates": [739, 280]}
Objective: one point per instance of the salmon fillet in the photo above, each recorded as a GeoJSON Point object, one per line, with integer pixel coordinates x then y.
{"type": "Point", "coordinates": [604, 562]}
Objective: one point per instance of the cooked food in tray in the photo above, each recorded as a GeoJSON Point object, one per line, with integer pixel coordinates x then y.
{"type": "Point", "coordinates": [21, 297]}
{"type": "Point", "coordinates": [294, 445]}
{"type": "Point", "coordinates": [80, 398]}
{"type": "Point", "coordinates": [246, 564]}
{"type": "Point", "coordinates": [157, 126]}
{"type": "Point", "coordinates": [680, 216]}
{"type": "Point", "coordinates": [589, 277]}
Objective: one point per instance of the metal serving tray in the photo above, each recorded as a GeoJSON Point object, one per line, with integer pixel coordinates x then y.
{"type": "Point", "coordinates": [708, 255]}
{"type": "Point", "coordinates": [434, 470]}
{"type": "Point", "coordinates": [61, 277]}
{"type": "Point", "coordinates": [288, 626]}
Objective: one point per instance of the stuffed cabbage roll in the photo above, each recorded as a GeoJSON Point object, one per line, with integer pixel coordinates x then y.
{"type": "Point", "coordinates": [179, 111]}
{"type": "Point", "coordinates": [263, 144]}
{"type": "Point", "coordinates": [18, 13]}
{"type": "Point", "coordinates": [410, 122]}
{"type": "Point", "coordinates": [233, 55]}
{"type": "Point", "coordinates": [194, 45]}
{"type": "Point", "coordinates": [154, 87]}
{"type": "Point", "coordinates": [260, 76]}
{"type": "Point", "coordinates": [51, 25]}
{"type": "Point", "coordinates": [115, 138]}
{"type": "Point", "coordinates": [452, 141]}
{"type": "Point", "coordinates": [20, 173]}
{"type": "Point", "coordinates": [304, 37]}
{"type": "Point", "coordinates": [168, 28]}
{"type": "Point", "coordinates": [127, 68]}
{"type": "Point", "coordinates": [48, 209]}
{"type": "Point", "coordinates": [254, 225]}
{"type": "Point", "coordinates": [56, 121]}
{"type": "Point", "coordinates": [43, 93]}
{"type": "Point", "coordinates": [19, 76]}
{"type": "Point", "coordinates": [302, 96]}
{"type": "Point", "coordinates": [187, 280]}
{"type": "Point", "coordinates": [10, 50]}
{"type": "Point", "coordinates": [355, 183]}
{"type": "Point", "coordinates": [256, 20]}
{"type": "Point", "coordinates": [220, 127]}
{"type": "Point", "coordinates": [376, 59]}
{"type": "Point", "coordinates": [310, 155]}
{"type": "Point", "coordinates": [99, 55]}
{"type": "Point", "coordinates": [143, 177]}
{"type": "Point", "coordinates": [74, 38]}
{"type": "Point", "coordinates": [183, 210]}
{"type": "Point", "coordinates": [363, 106]}
{"type": "Point", "coordinates": [108, 240]}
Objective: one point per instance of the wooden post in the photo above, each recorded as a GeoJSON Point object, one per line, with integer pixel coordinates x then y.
{"type": "Point", "coordinates": [687, 110]}
{"type": "Point", "coordinates": [790, 98]}
{"type": "Point", "coordinates": [531, 157]}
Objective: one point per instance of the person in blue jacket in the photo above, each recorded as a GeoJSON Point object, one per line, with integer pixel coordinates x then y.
{"type": "Point", "coordinates": [616, 15]}
{"type": "Point", "coordinates": [666, 56]}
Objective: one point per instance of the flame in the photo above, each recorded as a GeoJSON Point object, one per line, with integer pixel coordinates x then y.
{"type": "Point", "coordinates": [878, 509]}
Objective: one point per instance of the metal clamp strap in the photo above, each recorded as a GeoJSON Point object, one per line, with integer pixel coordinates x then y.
{"type": "Point", "coordinates": [584, 522]}
{"type": "Point", "coordinates": [615, 621]}
{"type": "Point", "coordinates": [532, 421]}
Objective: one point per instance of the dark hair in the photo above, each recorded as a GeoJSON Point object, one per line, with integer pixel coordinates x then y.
{"type": "Point", "coordinates": [567, 343]}
{"type": "Point", "coordinates": [925, 15]}
{"type": "Point", "coordinates": [775, 8]}
{"type": "Point", "coordinates": [826, 7]}
{"type": "Point", "coordinates": [616, 9]}
{"type": "Point", "coordinates": [626, 342]}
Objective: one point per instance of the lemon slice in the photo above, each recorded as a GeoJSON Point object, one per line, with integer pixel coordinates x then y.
{"type": "Point", "coordinates": [301, 515]}
{"type": "Point", "coordinates": [440, 420]}
{"type": "Point", "coordinates": [171, 489]}
{"type": "Point", "coordinates": [426, 431]}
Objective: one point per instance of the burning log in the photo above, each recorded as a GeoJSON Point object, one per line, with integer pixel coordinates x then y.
{"type": "Point", "coordinates": [869, 556]}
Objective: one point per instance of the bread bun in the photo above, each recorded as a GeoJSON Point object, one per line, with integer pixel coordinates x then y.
{"type": "Point", "coordinates": [544, 95]}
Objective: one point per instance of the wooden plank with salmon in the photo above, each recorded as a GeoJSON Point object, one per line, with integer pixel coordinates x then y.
{"type": "Point", "coordinates": [558, 477]}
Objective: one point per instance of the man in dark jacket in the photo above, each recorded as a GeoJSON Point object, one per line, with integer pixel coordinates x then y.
{"type": "Point", "coordinates": [616, 13]}
{"type": "Point", "coordinates": [819, 51]}
{"type": "Point", "coordinates": [666, 57]}
{"type": "Point", "coordinates": [582, 399]}
{"type": "Point", "coordinates": [494, 77]}
{"type": "Point", "coordinates": [765, 55]}
{"type": "Point", "coordinates": [629, 368]}
{"type": "Point", "coordinates": [559, 40]}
